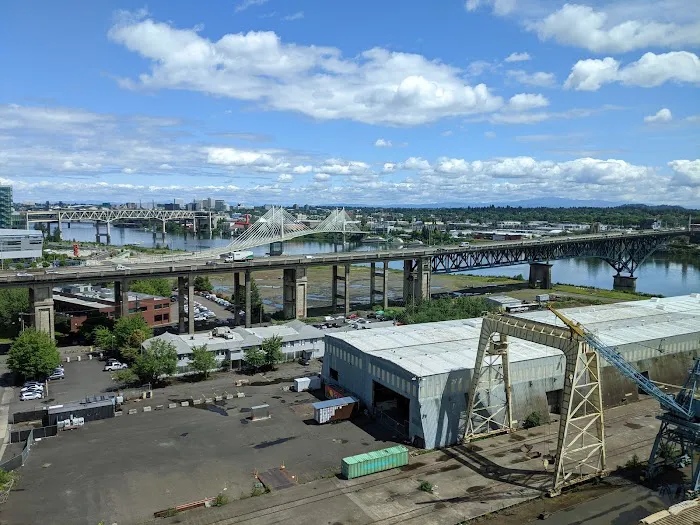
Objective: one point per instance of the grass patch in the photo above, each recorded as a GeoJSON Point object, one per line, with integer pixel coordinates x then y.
{"type": "Point", "coordinates": [605, 294]}
{"type": "Point", "coordinates": [425, 486]}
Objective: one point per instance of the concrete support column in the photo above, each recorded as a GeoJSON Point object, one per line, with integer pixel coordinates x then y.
{"type": "Point", "coordinates": [117, 299]}
{"type": "Point", "coordinates": [416, 281]}
{"type": "Point", "coordinates": [109, 234]}
{"type": "Point", "coordinates": [41, 308]}
{"type": "Point", "coordinates": [181, 304]}
{"type": "Point", "coordinates": [624, 283]}
{"type": "Point", "coordinates": [236, 298]}
{"type": "Point", "coordinates": [372, 276]}
{"type": "Point", "coordinates": [347, 290]}
{"type": "Point", "coordinates": [97, 232]}
{"type": "Point", "coordinates": [540, 275]}
{"type": "Point", "coordinates": [295, 293]}
{"type": "Point", "coordinates": [190, 304]}
{"type": "Point", "coordinates": [248, 301]}
{"type": "Point", "coordinates": [334, 289]}
{"type": "Point", "coordinates": [385, 286]}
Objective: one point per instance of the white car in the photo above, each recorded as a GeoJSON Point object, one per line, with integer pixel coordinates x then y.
{"type": "Point", "coordinates": [23, 274]}
{"type": "Point", "coordinates": [27, 396]}
{"type": "Point", "coordinates": [122, 267]}
{"type": "Point", "coordinates": [116, 365]}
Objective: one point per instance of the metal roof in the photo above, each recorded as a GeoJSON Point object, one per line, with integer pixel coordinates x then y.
{"type": "Point", "coordinates": [339, 401]}
{"type": "Point", "coordinates": [436, 348]}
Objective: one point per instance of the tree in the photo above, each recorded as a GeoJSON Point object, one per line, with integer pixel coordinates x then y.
{"type": "Point", "coordinates": [255, 300]}
{"type": "Point", "coordinates": [159, 287]}
{"type": "Point", "coordinates": [272, 350]}
{"type": "Point", "coordinates": [13, 302]}
{"type": "Point", "coordinates": [203, 360]}
{"type": "Point", "coordinates": [157, 360]}
{"type": "Point", "coordinates": [125, 328]}
{"type": "Point", "coordinates": [125, 376]}
{"type": "Point", "coordinates": [254, 356]}
{"type": "Point", "coordinates": [33, 355]}
{"type": "Point", "coordinates": [202, 283]}
{"type": "Point", "coordinates": [104, 339]}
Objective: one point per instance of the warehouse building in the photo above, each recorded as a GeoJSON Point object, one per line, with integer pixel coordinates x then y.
{"type": "Point", "coordinates": [417, 377]}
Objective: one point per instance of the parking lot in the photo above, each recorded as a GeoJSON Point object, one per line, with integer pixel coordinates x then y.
{"type": "Point", "coordinates": [123, 469]}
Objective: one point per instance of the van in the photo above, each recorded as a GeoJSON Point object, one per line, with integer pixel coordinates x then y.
{"type": "Point", "coordinates": [464, 245]}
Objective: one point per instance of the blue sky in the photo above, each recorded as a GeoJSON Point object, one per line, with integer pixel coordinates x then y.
{"type": "Point", "coordinates": [283, 101]}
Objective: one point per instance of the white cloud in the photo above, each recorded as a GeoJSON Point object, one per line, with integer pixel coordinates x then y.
{"type": "Point", "coordinates": [381, 143]}
{"type": "Point", "coordinates": [447, 133]}
{"type": "Point", "coordinates": [285, 178]}
{"type": "Point", "coordinates": [518, 57]}
{"type": "Point", "coordinates": [238, 157]}
{"type": "Point", "coordinates": [416, 163]}
{"type": "Point", "coordinates": [539, 78]}
{"type": "Point", "coordinates": [165, 167]}
{"type": "Point", "coordinates": [320, 177]}
{"type": "Point", "coordinates": [490, 134]}
{"type": "Point", "coordinates": [582, 26]}
{"type": "Point", "coordinates": [376, 87]}
{"type": "Point", "coordinates": [526, 101]}
{"type": "Point", "coordinates": [663, 115]}
{"type": "Point", "coordinates": [303, 169]}
{"type": "Point", "coordinates": [128, 171]}
{"type": "Point", "coordinates": [500, 7]}
{"type": "Point", "coordinates": [296, 16]}
{"type": "Point", "coordinates": [687, 172]}
{"type": "Point", "coordinates": [343, 167]}
{"type": "Point", "coordinates": [650, 70]}
{"type": "Point", "coordinates": [245, 4]}
{"type": "Point", "coordinates": [389, 167]}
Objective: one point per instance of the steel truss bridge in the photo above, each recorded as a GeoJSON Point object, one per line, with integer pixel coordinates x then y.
{"type": "Point", "coordinates": [623, 251]}
{"type": "Point", "coordinates": [277, 225]}
{"type": "Point", "coordinates": [111, 215]}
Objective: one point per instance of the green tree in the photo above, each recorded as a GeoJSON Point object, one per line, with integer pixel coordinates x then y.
{"type": "Point", "coordinates": [255, 300]}
{"type": "Point", "coordinates": [157, 360]}
{"type": "Point", "coordinates": [159, 287]}
{"type": "Point", "coordinates": [33, 355]}
{"type": "Point", "coordinates": [104, 339]}
{"type": "Point", "coordinates": [272, 349]}
{"type": "Point", "coordinates": [203, 360]}
{"type": "Point", "coordinates": [126, 327]}
{"type": "Point", "coordinates": [125, 376]}
{"type": "Point", "coordinates": [203, 284]}
{"type": "Point", "coordinates": [255, 357]}
{"type": "Point", "coordinates": [13, 302]}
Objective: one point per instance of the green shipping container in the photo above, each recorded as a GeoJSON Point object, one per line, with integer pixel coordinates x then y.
{"type": "Point", "coordinates": [372, 462]}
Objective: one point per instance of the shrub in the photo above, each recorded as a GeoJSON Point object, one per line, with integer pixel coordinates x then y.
{"type": "Point", "coordinates": [532, 420]}
{"type": "Point", "coordinates": [220, 500]}
{"type": "Point", "coordinates": [425, 486]}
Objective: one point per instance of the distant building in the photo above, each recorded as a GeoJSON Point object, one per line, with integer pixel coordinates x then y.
{"type": "Point", "coordinates": [220, 205]}
{"type": "Point", "coordinates": [179, 202]}
{"type": "Point", "coordinates": [83, 301]}
{"type": "Point", "coordinates": [5, 207]}
{"type": "Point", "coordinates": [20, 244]}
{"type": "Point", "coordinates": [231, 343]}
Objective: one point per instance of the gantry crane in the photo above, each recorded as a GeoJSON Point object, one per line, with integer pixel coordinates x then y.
{"type": "Point", "coordinates": [581, 442]}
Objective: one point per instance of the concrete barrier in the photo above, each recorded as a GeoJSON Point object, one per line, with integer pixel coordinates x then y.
{"type": "Point", "coordinates": [184, 403]}
{"type": "Point", "coordinates": [208, 400]}
{"type": "Point", "coordinates": [229, 396]}
{"type": "Point", "coordinates": [67, 359]}
{"type": "Point", "coordinates": [89, 357]}
{"type": "Point", "coordinates": [172, 405]}
{"type": "Point", "coordinates": [240, 394]}
{"type": "Point", "coordinates": [78, 358]}
{"type": "Point", "coordinates": [218, 398]}
{"type": "Point", "coordinates": [147, 409]}
{"type": "Point", "coordinates": [159, 407]}
{"type": "Point", "coordinates": [132, 411]}
{"type": "Point", "coordinates": [118, 413]}
{"type": "Point", "coordinates": [196, 402]}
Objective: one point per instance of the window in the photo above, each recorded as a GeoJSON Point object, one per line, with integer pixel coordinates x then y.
{"type": "Point", "coordinates": [158, 318]}
{"type": "Point", "coordinates": [334, 374]}
{"type": "Point", "coordinates": [157, 306]}
{"type": "Point", "coordinates": [166, 317]}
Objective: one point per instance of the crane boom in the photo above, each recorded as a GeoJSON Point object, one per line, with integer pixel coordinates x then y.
{"type": "Point", "coordinates": [612, 356]}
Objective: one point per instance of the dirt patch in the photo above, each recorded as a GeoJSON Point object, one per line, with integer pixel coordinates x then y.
{"type": "Point", "coordinates": [412, 466]}
{"type": "Point", "coordinates": [475, 448]}
{"type": "Point", "coordinates": [517, 437]}
{"type": "Point", "coordinates": [500, 454]}
{"type": "Point", "coordinates": [448, 468]}
{"type": "Point", "coordinates": [443, 457]}
{"type": "Point", "coordinates": [475, 488]}
{"type": "Point", "coordinates": [633, 426]}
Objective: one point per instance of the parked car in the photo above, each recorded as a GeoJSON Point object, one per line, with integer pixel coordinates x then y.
{"type": "Point", "coordinates": [27, 396]}
{"type": "Point", "coordinates": [57, 375]}
{"type": "Point", "coordinates": [116, 365]}
{"type": "Point", "coordinates": [212, 263]}
{"type": "Point", "coordinates": [32, 388]}
{"type": "Point", "coordinates": [23, 274]}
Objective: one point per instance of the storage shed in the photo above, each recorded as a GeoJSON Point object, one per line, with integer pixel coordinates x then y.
{"type": "Point", "coordinates": [89, 411]}
{"type": "Point", "coordinates": [416, 378]}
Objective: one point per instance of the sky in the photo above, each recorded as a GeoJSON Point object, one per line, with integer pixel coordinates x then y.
{"type": "Point", "coordinates": [366, 103]}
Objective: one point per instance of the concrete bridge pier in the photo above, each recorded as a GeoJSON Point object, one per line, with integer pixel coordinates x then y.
{"type": "Point", "coordinates": [540, 275]}
{"type": "Point", "coordinates": [373, 292]}
{"type": "Point", "coordinates": [295, 288]}
{"type": "Point", "coordinates": [190, 304]}
{"type": "Point", "coordinates": [276, 248]}
{"type": "Point", "coordinates": [236, 298]}
{"type": "Point", "coordinates": [624, 283]}
{"type": "Point", "coordinates": [181, 284]}
{"type": "Point", "coordinates": [121, 298]}
{"type": "Point", "coordinates": [345, 278]}
{"type": "Point", "coordinates": [416, 281]}
{"type": "Point", "coordinates": [248, 300]}
{"type": "Point", "coordinates": [99, 234]}
{"type": "Point", "coordinates": [41, 308]}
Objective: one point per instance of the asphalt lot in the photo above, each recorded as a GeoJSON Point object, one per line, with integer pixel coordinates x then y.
{"type": "Point", "coordinates": [124, 469]}
{"type": "Point", "coordinates": [84, 378]}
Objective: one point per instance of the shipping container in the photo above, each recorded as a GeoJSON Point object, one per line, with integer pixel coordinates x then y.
{"type": "Point", "coordinates": [373, 462]}
{"type": "Point", "coordinates": [335, 409]}
{"type": "Point", "coordinates": [315, 382]}
{"type": "Point", "coordinates": [542, 298]}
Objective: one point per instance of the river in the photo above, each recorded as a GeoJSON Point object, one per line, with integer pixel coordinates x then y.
{"type": "Point", "coordinates": [660, 274]}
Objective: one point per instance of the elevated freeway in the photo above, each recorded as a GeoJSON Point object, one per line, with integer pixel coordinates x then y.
{"type": "Point", "coordinates": [623, 251]}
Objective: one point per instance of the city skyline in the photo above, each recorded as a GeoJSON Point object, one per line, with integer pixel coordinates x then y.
{"type": "Point", "coordinates": [491, 101]}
